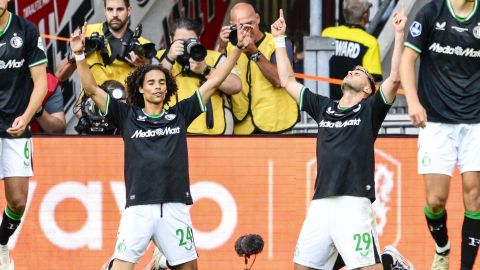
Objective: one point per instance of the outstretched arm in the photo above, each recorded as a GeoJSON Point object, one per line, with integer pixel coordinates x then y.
{"type": "Point", "coordinates": [285, 71]}
{"type": "Point", "coordinates": [218, 76]}
{"type": "Point", "coordinates": [77, 44]}
{"type": "Point", "coordinates": [390, 85]}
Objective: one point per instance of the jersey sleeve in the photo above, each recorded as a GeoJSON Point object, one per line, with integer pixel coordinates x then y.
{"type": "Point", "coordinates": [380, 108]}
{"type": "Point", "coordinates": [418, 33]}
{"type": "Point", "coordinates": [312, 103]}
{"type": "Point", "coordinates": [191, 107]}
{"type": "Point", "coordinates": [371, 61]}
{"type": "Point", "coordinates": [35, 54]}
{"type": "Point", "coordinates": [116, 112]}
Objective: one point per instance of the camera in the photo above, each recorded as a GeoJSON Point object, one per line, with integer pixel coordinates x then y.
{"type": "Point", "coordinates": [146, 50]}
{"type": "Point", "coordinates": [232, 37]}
{"type": "Point", "coordinates": [192, 49]}
{"type": "Point", "coordinates": [91, 122]}
{"type": "Point", "coordinates": [249, 244]}
{"type": "Point", "coordinates": [95, 42]}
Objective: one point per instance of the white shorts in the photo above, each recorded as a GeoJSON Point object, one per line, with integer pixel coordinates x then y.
{"type": "Point", "coordinates": [16, 157]}
{"type": "Point", "coordinates": [168, 225]}
{"type": "Point", "coordinates": [334, 225]}
{"type": "Point", "coordinates": [441, 146]}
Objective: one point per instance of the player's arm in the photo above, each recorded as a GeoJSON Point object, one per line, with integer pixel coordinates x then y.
{"type": "Point", "coordinates": [417, 113]}
{"type": "Point", "coordinates": [285, 70]}
{"type": "Point", "coordinates": [65, 68]}
{"type": "Point", "coordinates": [218, 76]}
{"type": "Point", "coordinates": [390, 85]}
{"type": "Point", "coordinates": [230, 86]}
{"type": "Point", "coordinates": [77, 44]}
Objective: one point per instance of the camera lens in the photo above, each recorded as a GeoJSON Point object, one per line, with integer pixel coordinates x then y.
{"type": "Point", "coordinates": [196, 51]}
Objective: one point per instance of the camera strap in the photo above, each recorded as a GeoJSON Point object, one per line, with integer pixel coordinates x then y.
{"type": "Point", "coordinates": [116, 45]}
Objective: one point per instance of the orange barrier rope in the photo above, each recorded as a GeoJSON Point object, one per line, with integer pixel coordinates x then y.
{"type": "Point", "coordinates": [297, 75]}
{"type": "Point", "coordinates": [54, 37]}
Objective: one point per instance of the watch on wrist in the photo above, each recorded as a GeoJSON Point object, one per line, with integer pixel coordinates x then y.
{"type": "Point", "coordinates": [254, 57]}
{"type": "Point", "coordinates": [207, 71]}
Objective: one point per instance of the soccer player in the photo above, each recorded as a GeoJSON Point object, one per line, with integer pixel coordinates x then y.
{"type": "Point", "coordinates": [446, 36]}
{"type": "Point", "coordinates": [340, 219]}
{"type": "Point", "coordinates": [156, 159]}
{"type": "Point", "coordinates": [23, 85]}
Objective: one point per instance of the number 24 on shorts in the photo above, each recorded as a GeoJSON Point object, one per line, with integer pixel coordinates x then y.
{"type": "Point", "coordinates": [185, 237]}
{"type": "Point", "coordinates": [363, 242]}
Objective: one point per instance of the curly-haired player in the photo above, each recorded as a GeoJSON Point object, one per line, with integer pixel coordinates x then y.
{"type": "Point", "coordinates": [156, 158]}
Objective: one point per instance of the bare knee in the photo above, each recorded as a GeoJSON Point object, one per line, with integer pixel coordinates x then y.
{"type": "Point", "coordinates": [472, 199]}
{"type": "Point", "coordinates": [17, 203]}
{"type": "Point", "coordinates": [436, 203]}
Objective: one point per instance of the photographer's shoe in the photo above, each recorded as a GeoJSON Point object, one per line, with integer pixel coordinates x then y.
{"type": "Point", "coordinates": [158, 262]}
{"type": "Point", "coordinates": [6, 263]}
{"type": "Point", "coordinates": [399, 262]}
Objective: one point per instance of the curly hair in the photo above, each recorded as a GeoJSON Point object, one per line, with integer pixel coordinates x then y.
{"type": "Point", "coordinates": [136, 79]}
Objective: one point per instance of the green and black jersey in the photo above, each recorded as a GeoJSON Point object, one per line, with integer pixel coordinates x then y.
{"type": "Point", "coordinates": [449, 48]}
{"type": "Point", "coordinates": [156, 156]}
{"type": "Point", "coordinates": [345, 143]}
{"type": "Point", "coordinates": [20, 49]}
{"type": "Point", "coordinates": [353, 47]}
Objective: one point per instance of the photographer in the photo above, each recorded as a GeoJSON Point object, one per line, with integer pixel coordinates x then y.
{"type": "Point", "coordinates": [262, 106]}
{"type": "Point", "coordinates": [191, 64]}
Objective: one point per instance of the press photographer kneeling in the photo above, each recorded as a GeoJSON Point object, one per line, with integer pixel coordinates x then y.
{"type": "Point", "coordinates": [113, 50]}
{"type": "Point", "coordinates": [191, 63]}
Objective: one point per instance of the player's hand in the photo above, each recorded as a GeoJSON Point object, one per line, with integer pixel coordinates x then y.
{"type": "Point", "coordinates": [417, 114]}
{"type": "Point", "coordinates": [176, 49]}
{"type": "Point", "coordinates": [197, 67]}
{"type": "Point", "coordinates": [18, 126]}
{"type": "Point", "coordinates": [279, 27]}
{"type": "Point", "coordinates": [399, 20]}
{"type": "Point", "coordinates": [77, 40]}
{"type": "Point", "coordinates": [137, 60]}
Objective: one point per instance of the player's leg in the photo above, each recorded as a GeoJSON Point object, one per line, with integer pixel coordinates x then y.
{"type": "Point", "coordinates": [16, 167]}
{"type": "Point", "coordinates": [315, 249]}
{"type": "Point", "coordinates": [437, 156]}
{"type": "Point", "coordinates": [174, 238]}
{"type": "Point", "coordinates": [469, 166]}
{"type": "Point", "coordinates": [134, 234]}
{"type": "Point", "coordinates": [354, 233]}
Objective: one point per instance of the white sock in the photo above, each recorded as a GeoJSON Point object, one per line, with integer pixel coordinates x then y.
{"type": "Point", "coordinates": [440, 250]}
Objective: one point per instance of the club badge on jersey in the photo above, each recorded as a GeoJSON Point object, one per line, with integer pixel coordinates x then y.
{"type": "Point", "coordinates": [416, 29]}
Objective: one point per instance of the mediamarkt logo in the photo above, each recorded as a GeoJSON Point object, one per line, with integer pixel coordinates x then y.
{"type": "Point", "coordinates": [155, 132]}
{"type": "Point", "coordinates": [459, 51]}
{"type": "Point", "coordinates": [339, 124]}
{"type": "Point", "coordinates": [12, 63]}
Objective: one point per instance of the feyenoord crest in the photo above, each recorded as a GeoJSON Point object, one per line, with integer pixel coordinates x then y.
{"type": "Point", "coordinates": [476, 31]}
{"type": "Point", "coordinates": [16, 41]}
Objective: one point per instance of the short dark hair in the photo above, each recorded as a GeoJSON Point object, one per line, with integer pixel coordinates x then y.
{"type": "Point", "coordinates": [135, 80]}
{"type": "Point", "coordinates": [186, 23]}
{"type": "Point", "coordinates": [127, 3]}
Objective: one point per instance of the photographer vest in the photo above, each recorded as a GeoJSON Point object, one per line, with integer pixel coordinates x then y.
{"type": "Point", "coordinates": [117, 70]}
{"type": "Point", "coordinates": [260, 105]}
{"type": "Point", "coordinates": [187, 85]}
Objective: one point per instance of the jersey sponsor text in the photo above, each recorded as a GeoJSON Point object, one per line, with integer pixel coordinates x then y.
{"type": "Point", "coordinates": [459, 51]}
{"type": "Point", "coordinates": [12, 63]}
{"type": "Point", "coordinates": [339, 124]}
{"type": "Point", "coordinates": [155, 132]}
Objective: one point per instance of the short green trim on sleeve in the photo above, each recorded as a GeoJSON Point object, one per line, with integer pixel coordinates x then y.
{"type": "Point", "coordinates": [413, 47]}
{"type": "Point", "coordinates": [106, 107]}
{"type": "Point", "coordinates": [43, 61]}
{"type": "Point", "coordinates": [432, 215]}
{"type": "Point", "coordinates": [300, 101]}
{"type": "Point", "coordinates": [473, 215]}
{"type": "Point", "coordinates": [203, 107]}
{"type": "Point", "coordinates": [384, 98]}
